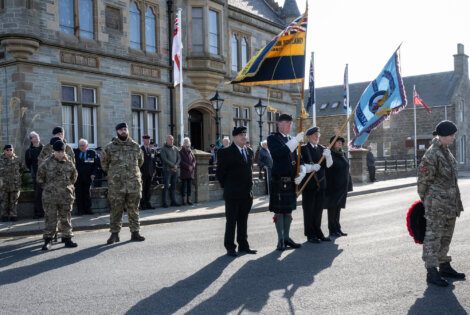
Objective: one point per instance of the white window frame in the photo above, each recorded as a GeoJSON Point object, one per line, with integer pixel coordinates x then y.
{"type": "Point", "coordinates": [387, 148]}
{"type": "Point", "coordinates": [463, 149]}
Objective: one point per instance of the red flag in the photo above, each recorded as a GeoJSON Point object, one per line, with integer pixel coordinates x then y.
{"type": "Point", "coordinates": [417, 100]}
{"type": "Point", "coordinates": [177, 50]}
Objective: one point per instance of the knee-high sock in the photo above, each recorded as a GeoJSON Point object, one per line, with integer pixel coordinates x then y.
{"type": "Point", "coordinates": [287, 222]}
{"type": "Point", "coordinates": [280, 226]}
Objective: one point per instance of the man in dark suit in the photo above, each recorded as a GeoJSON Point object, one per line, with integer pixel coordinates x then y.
{"type": "Point", "coordinates": [147, 170]}
{"type": "Point", "coordinates": [87, 167]}
{"type": "Point", "coordinates": [234, 172]}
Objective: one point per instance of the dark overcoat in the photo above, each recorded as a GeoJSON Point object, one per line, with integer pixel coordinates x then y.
{"type": "Point", "coordinates": [338, 181]}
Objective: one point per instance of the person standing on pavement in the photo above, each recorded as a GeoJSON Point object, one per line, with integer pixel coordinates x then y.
{"type": "Point", "coordinates": [10, 183]}
{"type": "Point", "coordinates": [31, 160]}
{"type": "Point", "coordinates": [265, 162]}
{"type": "Point", "coordinates": [122, 159]}
{"type": "Point", "coordinates": [47, 150]}
{"type": "Point", "coordinates": [235, 175]}
{"type": "Point", "coordinates": [282, 198]}
{"type": "Point", "coordinates": [187, 168]}
{"type": "Point", "coordinates": [87, 164]}
{"type": "Point", "coordinates": [439, 191]}
{"type": "Point", "coordinates": [148, 170]}
{"type": "Point", "coordinates": [226, 142]}
{"type": "Point", "coordinates": [171, 159]}
{"type": "Point", "coordinates": [338, 184]}
{"type": "Point", "coordinates": [371, 164]}
{"type": "Point", "coordinates": [57, 176]}
{"type": "Point", "coordinates": [314, 193]}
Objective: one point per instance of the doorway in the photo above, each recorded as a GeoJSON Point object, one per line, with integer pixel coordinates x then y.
{"type": "Point", "coordinates": [196, 129]}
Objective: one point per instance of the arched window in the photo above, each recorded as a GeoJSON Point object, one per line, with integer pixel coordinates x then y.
{"type": "Point", "coordinates": [463, 149]}
{"type": "Point", "coordinates": [234, 48]}
{"type": "Point", "coordinates": [66, 16]}
{"type": "Point", "coordinates": [85, 16]}
{"type": "Point", "coordinates": [135, 34]}
{"type": "Point", "coordinates": [150, 31]}
{"type": "Point", "coordinates": [244, 51]}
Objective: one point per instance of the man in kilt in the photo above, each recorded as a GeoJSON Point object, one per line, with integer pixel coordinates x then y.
{"type": "Point", "coordinates": [283, 199]}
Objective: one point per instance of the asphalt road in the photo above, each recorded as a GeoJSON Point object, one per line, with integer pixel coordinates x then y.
{"type": "Point", "coordinates": [181, 268]}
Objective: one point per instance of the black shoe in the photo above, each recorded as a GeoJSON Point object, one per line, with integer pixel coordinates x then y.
{"type": "Point", "coordinates": [189, 203]}
{"type": "Point", "coordinates": [434, 277]}
{"type": "Point", "coordinates": [164, 205]}
{"type": "Point", "coordinates": [247, 251]}
{"type": "Point", "coordinates": [342, 233]}
{"type": "Point", "coordinates": [290, 243]}
{"type": "Point", "coordinates": [313, 240]}
{"type": "Point", "coordinates": [325, 239]}
{"type": "Point", "coordinates": [62, 239]}
{"type": "Point", "coordinates": [113, 238]}
{"type": "Point", "coordinates": [5, 219]}
{"type": "Point", "coordinates": [69, 243]}
{"type": "Point", "coordinates": [183, 203]}
{"type": "Point", "coordinates": [13, 219]}
{"type": "Point", "coordinates": [136, 237]}
{"type": "Point", "coordinates": [47, 244]}
{"type": "Point", "coordinates": [335, 234]}
{"type": "Point", "coordinates": [175, 204]}
{"type": "Point", "coordinates": [232, 253]}
{"type": "Point", "coordinates": [446, 270]}
{"type": "Point", "coordinates": [281, 246]}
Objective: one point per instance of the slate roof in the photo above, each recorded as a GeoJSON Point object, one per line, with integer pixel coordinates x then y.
{"type": "Point", "coordinates": [290, 9]}
{"type": "Point", "coordinates": [435, 89]}
{"type": "Point", "coordinates": [262, 8]}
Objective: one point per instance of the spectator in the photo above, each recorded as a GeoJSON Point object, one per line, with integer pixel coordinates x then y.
{"type": "Point", "coordinates": [171, 159]}
{"type": "Point", "coordinates": [58, 134]}
{"type": "Point", "coordinates": [10, 183]}
{"type": "Point", "coordinates": [213, 152]}
{"type": "Point", "coordinates": [371, 164]}
{"type": "Point", "coordinates": [87, 165]}
{"type": "Point", "coordinates": [148, 170]}
{"type": "Point", "coordinates": [187, 168]}
{"type": "Point", "coordinates": [226, 142]}
{"type": "Point", "coordinates": [265, 162]}
{"type": "Point", "coordinates": [31, 160]}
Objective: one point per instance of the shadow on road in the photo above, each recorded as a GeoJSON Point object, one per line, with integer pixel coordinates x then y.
{"type": "Point", "coordinates": [437, 300]}
{"type": "Point", "coordinates": [244, 290]}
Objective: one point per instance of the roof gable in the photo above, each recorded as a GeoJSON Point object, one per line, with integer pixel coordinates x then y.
{"type": "Point", "coordinates": [260, 8]}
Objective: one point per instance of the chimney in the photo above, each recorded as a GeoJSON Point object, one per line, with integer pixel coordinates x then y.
{"type": "Point", "coordinates": [461, 62]}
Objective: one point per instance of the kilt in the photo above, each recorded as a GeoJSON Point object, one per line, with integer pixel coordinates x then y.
{"type": "Point", "coordinates": [282, 198]}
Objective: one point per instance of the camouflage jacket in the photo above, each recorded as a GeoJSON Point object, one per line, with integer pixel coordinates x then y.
{"type": "Point", "coordinates": [122, 161]}
{"type": "Point", "coordinates": [57, 179]}
{"type": "Point", "coordinates": [10, 173]}
{"type": "Point", "coordinates": [47, 151]}
{"type": "Point", "coordinates": [437, 182]}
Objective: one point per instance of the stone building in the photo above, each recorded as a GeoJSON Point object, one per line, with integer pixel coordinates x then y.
{"type": "Point", "coordinates": [89, 64]}
{"type": "Point", "coordinates": [447, 94]}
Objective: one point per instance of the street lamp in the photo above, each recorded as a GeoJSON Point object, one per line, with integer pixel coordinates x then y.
{"type": "Point", "coordinates": [217, 103]}
{"type": "Point", "coordinates": [260, 109]}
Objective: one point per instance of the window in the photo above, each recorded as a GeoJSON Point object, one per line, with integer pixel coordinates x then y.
{"type": "Point", "coordinates": [145, 116]}
{"type": "Point", "coordinates": [241, 117]}
{"type": "Point", "coordinates": [79, 114]}
{"type": "Point", "coordinates": [134, 16]}
{"type": "Point", "coordinates": [244, 51]}
{"type": "Point", "coordinates": [387, 147]}
{"type": "Point", "coordinates": [197, 30]}
{"type": "Point", "coordinates": [463, 150]}
{"type": "Point", "coordinates": [272, 119]}
{"type": "Point", "coordinates": [386, 123]}
{"type": "Point", "coordinates": [234, 48]}
{"type": "Point", "coordinates": [76, 17]}
{"type": "Point", "coordinates": [240, 51]}
{"type": "Point", "coordinates": [324, 105]}
{"type": "Point", "coordinates": [213, 32]}
{"type": "Point", "coordinates": [150, 31]}
{"type": "Point", "coordinates": [335, 105]}
{"type": "Point", "coordinates": [461, 110]}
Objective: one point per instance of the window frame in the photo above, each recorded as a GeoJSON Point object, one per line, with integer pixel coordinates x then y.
{"type": "Point", "coordinates": [218, 29]}
{"type": "Point", "coordinates": [144, 113]}
{"type": "Point", "coordinates": [240, 36]}
{"type": "Point", "coordinates": [143, 7]}
{"type": "Point", "coordinates": [76, 20]}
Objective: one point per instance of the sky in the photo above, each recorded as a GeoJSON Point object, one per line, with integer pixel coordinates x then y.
{"type": "Point", "coordinates": [365, 33]}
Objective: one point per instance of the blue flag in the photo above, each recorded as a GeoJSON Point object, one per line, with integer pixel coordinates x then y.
{"type": "Point", "coordinates": [311, 87]}
{"type": "Point", "coordinates": [382, 97]}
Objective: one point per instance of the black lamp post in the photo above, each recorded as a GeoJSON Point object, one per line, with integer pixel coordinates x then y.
{"type": "Point", "coordinates": [260, 109]}
{"type": "Point", "coordinates": [217, 103]}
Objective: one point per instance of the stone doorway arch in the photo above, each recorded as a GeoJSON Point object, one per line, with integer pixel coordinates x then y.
{"type": "Point", "coordinates": [201, 126]}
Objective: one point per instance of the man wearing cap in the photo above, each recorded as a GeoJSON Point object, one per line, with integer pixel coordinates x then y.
{"type": "Point", "coordinates": [234, 172]}
{"type": "Point", "coordinates": [282, 198]}
{"type": "Point", "coordinates": [122, 159]}
{"type": "Point", "coordinates": [170, 156]}
{"type": "Point", "coordinates": [439, 191]}
{"type": "Point", "coordinates": [314, 193]}
{"type": "Point", "coordinates": [57, 134]}
{"type": "Point", "coordinates": [147, 170]}
{"type": "Point", "coordinates": [10, 183]}
{"type": "Point", "coordinates": [57, 176]}
{"type": "Point", "coordinates": [87, 164]}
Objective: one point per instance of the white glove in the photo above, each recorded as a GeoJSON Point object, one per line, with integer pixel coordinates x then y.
{"type": "Point", "coordinates": [326, 153]}
{"type": "Point", "coordinates": [309, 168]}
{"type": "Point", "coordinates": [300, 136]}
{"type": "Point", "coordinates": [316, 167]}
{"type": "Point", "coordinates": [328, 158]}
{"type": "Point", "coordinates": [301, 176]}
{"type": "Point", "coordinates": [294, 142]}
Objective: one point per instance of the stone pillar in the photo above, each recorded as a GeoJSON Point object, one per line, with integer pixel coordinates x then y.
{"type": "Point", "coordinates": [201, 176]}
{"type": "Point", "coordinates": [358, 166]}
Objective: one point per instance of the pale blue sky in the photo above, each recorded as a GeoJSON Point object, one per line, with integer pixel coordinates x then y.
{"type": "Point", "coordinates": [364, 34]}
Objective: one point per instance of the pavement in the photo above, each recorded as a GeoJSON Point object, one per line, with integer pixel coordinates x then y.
{"type": "Point", "coordinates": [213, 209]}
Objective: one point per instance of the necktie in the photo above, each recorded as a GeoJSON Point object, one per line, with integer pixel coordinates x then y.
{"type": "Point", "coordinates": [82, 156]}
{"type": "Point", "coordinates": [244, 155]}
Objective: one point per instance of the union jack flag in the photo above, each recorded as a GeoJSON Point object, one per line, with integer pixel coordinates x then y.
{"type": "Point", "coordinates": [296, 26]}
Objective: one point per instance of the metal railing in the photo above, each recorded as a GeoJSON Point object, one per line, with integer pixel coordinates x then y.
{"type": "Point", "coordinates": [401, 163]}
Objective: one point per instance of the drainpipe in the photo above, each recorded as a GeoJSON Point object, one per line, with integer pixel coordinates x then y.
{"type": "Point", "coordinates": [171, 88]}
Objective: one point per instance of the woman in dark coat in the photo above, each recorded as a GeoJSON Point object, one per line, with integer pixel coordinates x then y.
{"type": "Point", "coordinates": [338, 184]}
{"type": "Point", "coordinates": [187, 167]}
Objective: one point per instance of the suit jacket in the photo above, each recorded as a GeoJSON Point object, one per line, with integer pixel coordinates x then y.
{"type": "Point", "coordinates": [312, 156]}
{"type": "Point", "coordinates": [148, 168]}
{"type": "Point", "coordinates": [284, 161]}
{"type": "Point", "coordinates": [86, 166]}
{"type": "Point", "coordinates": [234, 174]}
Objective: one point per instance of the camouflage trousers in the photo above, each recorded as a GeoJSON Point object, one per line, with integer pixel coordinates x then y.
{"type": "Point", "coordinates": [439, 231]}
{"type": "Point", "coordinates": [9, 202]}
{"type": "Point", "coordinates": [57, 213]}
{"type": "Point", "coordinates": [119, 201]}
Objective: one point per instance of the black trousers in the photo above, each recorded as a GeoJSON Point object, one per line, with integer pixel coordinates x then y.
{"type": "Point", "coordinates": [312, 206]}
{"type": "Point", "coordinates": [371, 173]}
{"type": "Point", "coordinates": [236, 214]}
{"type": "Point", "coordinates": [82, 193]}
{"type": "Point", "coordinates": [146, 192]}
{"type": "Point", "coordinates": [186, 187]}
{"type": "Point", "coordinates": [333, 219]}
{"type": "Point", "coordinates": [38, 209]}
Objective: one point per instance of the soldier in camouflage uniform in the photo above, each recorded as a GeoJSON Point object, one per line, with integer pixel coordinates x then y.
{"type": "Point", "coordinates": [58, 134]}
{"type": "Point", "coordinates": [122, 159]}
{"type": "Point", "coordinates": [57, 176]}
{"type": "Point", "coordinates": [438, 189]}
{"type": "Point", "coordinates": [10, 182]}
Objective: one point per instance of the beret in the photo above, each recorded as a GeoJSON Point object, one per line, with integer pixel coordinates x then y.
{"type": "Point", "coordinates": [338, 139]}
{"type": "Point", "coordinates": [7, 146]}
{"type": "Point", "coordinates": [58, 146]}
{"type": "Point", "coordinates": [54, 140]}
{"type": "Point", "coordinates": [57, 130]}
{"type": "Point", "coordinates": [121, 125]}
{"type": "Point", "coordinates": [284, 117]}
{"type": "Point", "coordinates": [312, 130]}
{"type": "Point", "coordinates": [446, 128]}
{"type": "Point", "coordinates": [238, 130]}
{"type": "Point", "coordinates": [145, 137]}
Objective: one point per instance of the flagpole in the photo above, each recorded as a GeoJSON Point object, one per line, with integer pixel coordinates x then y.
{"type": "Point", "coordinates": [181, 80]}
{"type": "Point", "coordinates": [348, 108]}
{"type": "Point", "coordinates": [416, 141]}
{"type": "Point", "coordinates": [314, 105]}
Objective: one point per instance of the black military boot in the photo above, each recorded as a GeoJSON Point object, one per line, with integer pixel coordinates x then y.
{"type": "Point", "coordinates": [446, 270]}
{"type": "Point", "coordinates": [188, 201]}
{"type": "Point", "coordinates": [434, 277]}
{"type": "Point", "coordinates": [113, 238]}
{"type": "Point", "coordinates": [136, 237]}
{"type": "Point", "coordinates": [69, 243]}
{"type": "Point", "coordinates": [47, 243]}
